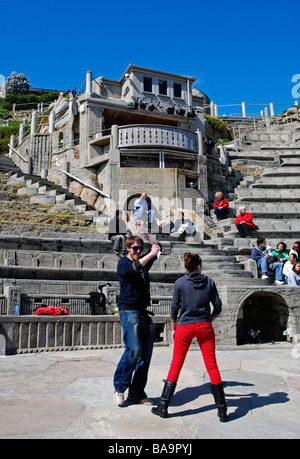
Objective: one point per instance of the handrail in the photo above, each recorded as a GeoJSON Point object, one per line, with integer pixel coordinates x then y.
{"type": "Point", "coordinates": [85, 184]}
{"type": "Point", "coordinates": [18, 153]}
{"type": "Point", "coordinates": [214, 108]}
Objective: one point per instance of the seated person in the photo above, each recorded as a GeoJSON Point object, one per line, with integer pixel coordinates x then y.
{"type": "Point", "coordinates": [244, 223]}
{"type": "Point", "coordinates": [294, 275]}
{"type": "Point", "coordinates": [142, 209]}
{"type": "Point", "coordinates": [296, 249]}
{"type": "Point", "coordinates": [221, 206]}
{"type": "Point", "coordinates": [280, 254]}
{"type": "Point", "coordinates": [117, 233]}
{"type": "Point", "coordinates": [265, 261]}
{"type": "Point", "coordinates": [184, 227]}
{"type": "Point", "coordinates": [288, 266]}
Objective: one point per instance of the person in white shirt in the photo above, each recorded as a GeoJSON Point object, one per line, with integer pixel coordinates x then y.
{"type": "Point", "coordinates": [288, 266]}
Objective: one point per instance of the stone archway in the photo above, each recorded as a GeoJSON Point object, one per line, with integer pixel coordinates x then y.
{"type": "Point", "coordinates": [264, 311]}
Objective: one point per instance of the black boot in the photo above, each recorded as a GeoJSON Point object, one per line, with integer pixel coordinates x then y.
{"type": "Point", "coordinates": [218, 393]}
{"type": "Point", "coordinates": [167, 393]}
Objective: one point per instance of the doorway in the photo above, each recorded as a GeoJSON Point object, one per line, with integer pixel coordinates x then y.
{"type": "Point", "coordinates": [262, 318]}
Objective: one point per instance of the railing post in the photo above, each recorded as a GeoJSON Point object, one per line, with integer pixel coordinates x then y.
{"type": "Point", "coordinates": [267, 117]}
{"type": "Point", "coordinates": [88, 87]}
{"type": "Point", "coordinates": [21, 133]}
{"type": "Point", "coordinates": [244, 109]}
{"type": "Point", "coordinates": [12, 142]}
{"type": "Point", "coordinates": [51, 122]}
{"type": "Point", "coordinates": [200, 142]}
{"type": "Point", "coordinates": [33, 123]}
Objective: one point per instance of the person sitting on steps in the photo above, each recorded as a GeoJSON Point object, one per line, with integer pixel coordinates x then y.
{"type": "Point", "coordinates": [244, 223]}
{"type": "Point", "coordinates": [221, 206]}
{"type": "Point", "coordinates": [264, 261]}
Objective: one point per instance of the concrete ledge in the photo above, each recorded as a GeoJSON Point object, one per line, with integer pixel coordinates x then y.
{"type": "Point", "coordinates": [59, 333]}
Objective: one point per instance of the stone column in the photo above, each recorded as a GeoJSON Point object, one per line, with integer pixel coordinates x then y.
{"type": "Point", "coordinates": [33, 123]}
{"type": "Point", "coordinates": [200, 142]}
{"type": "Point", "coordinates": [244, 109]}
{"type": "Point", "coordinates": [114, 135]}
{"type": "Point", "coordinates": [51, 122]}
{"type": "Point", "coordinates": [267, 117]}
{"type": "Point", "coordinates": [13, 295]}
{"type": "Point", "coordinates": [21, 133]}
{"type": "Point", "coordinates": [89, 79]}
{"type": "Point", "coordinates": [11, 142]}
{"type": "Point", "coordinates": [272, 109]}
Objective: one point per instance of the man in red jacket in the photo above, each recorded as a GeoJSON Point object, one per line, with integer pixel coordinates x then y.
{"type": "Point", "coordinates": [220, 206]}
{"type": "Point", "coordinates": [244, 223]}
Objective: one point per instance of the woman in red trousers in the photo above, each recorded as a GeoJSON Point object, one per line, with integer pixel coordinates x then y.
{"type": "Point", "coordinates": [193, 294]}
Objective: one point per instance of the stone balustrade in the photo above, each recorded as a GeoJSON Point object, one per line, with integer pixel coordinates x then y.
{"type": "Point", "coordinates": [157, 136]}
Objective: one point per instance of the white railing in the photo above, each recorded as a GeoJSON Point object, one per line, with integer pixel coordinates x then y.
{"type": "Point", "coordinates": [270, 107]}
{"type": "Point", "coordinates": [156, 136]}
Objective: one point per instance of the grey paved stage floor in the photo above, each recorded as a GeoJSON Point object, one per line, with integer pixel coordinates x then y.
{"type": "Point", "coordinates": [69, 395]}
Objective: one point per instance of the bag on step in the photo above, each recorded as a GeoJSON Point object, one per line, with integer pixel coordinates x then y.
{"type": "Point", "coordinates": [52, 311]}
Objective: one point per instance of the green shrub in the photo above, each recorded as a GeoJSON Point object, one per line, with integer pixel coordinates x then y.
{"type": "Point", "coordinates": [5, 133]}
{"type": "Point", "coordinates": [216, 124]}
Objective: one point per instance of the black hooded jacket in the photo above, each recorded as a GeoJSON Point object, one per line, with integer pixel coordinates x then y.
{"type": "Point", "coordinates": [192, 295]}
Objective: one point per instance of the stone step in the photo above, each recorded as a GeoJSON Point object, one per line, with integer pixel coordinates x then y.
{"type": "Point", "coordinates": [270, 209]}
{"type": "Point", "coordinates": [108, 275]}
{"type": "Point", "coordinates": [266, 194]}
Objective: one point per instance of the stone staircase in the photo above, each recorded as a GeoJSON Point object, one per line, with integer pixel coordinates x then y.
{"type": "Point", "coordinates": [271, 193]}
{"type": "Point", "coordinates": [29, 198]}
{"type": "Point", "coordinates": [48, 264]}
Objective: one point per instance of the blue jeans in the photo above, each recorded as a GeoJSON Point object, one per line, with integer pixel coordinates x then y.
{"type": "Point", "coordinates": [263, 263]}
{"type": "Point", "coordinates": [138, 335]}
{"type": "Point", "coordinates": [119, 243]}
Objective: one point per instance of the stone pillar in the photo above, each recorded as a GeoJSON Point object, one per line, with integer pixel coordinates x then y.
{"type": "Point", "coordinates": [11, 142]}
{"type": "Point", "coordinates": [13, 296]}
{"type": "Point", "coordinates": [114, 135]}
{"type": "Point", "coordinates": [64, 178]}
{"type": "Point", "coordinates": [200, 142]}
{"type": "Point", "coordinates": [51, 122]}
{"type": "Point", "coordinates": [272, 109]}
{"type": "Point", "coordinates": [244, 109]}
{"type": "Point", "coordinates": [89, 79]}
{"type": "Point", "coordinates": [216, 111]}
{"type": "Point", "coordinates": [70, 113]}
{"type": "Point", "coordinates": [29, 165]}
{"type": "Point", "coordinates": [21, 133]}
{"type": "Point", "coordinates": [267, 117]}
{"type": "Point", "coordinates": [212, 109]}
{"type": "Point", "coordinates": [33, 123]}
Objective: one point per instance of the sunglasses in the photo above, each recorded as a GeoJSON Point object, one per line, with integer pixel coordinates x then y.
{"type": "Point", "coordinates": [135, 248]}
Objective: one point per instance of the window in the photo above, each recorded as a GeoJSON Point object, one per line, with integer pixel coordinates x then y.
{"type": "Point", "coordinates": [177, 89]}
{"type": "Point", "coordinates": [163, 87]}
{"type": "Point", "coordinates": [147, 84]}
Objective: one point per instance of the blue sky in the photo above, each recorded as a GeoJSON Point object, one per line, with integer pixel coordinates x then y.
{"type": "Point", "coordinates": [238, 51]}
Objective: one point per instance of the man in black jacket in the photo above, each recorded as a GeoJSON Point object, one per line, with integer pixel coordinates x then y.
{"type": "Point", "coordinates": [138, 328]}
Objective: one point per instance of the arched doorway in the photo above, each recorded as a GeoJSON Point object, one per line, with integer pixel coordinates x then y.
{"type": "Point", "coordinates": [147, 217]}
{"type": "Point", "coordinates": [262, 317]}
